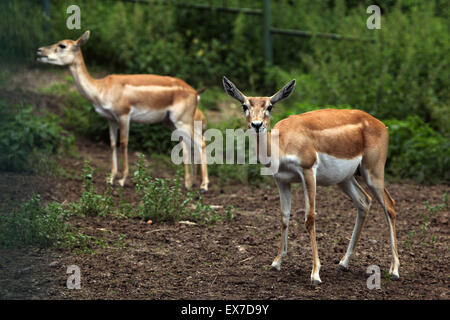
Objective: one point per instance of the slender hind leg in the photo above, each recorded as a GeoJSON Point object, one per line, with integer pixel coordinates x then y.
{"type": "Point", "coordinates": [375, 181]}
{"type": "Point", "coordinates": [362, 202]}
{"type": "Point", "coordinates": [187, 156]}
{"type": "Point", "coordinates": [124, 125]}
{"type": "Point", "coordinates": [200, 154]}
{"type": "Point", "coordinates": [309, 187]}
{"type": "Point", "coordinates": [113, 126]}
{"type": "Point", "coordinates": [189, 145]}
{"type": "Point", "coordinates": [285, 201]}
{"type": "Point", "coordinates": [199, 170]}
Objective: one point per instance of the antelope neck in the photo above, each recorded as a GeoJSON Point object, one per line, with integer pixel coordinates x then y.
{"type": "Point", "coordinates": [84, 82]}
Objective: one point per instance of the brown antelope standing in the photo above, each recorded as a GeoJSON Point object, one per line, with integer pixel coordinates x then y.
{"type": "Point", "coordinates": [323, 147]}
{"type": "Point", "coordinates": [141, 98]}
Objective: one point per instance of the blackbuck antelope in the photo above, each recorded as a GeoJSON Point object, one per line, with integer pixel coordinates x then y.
{"type": "Point", "coordinates": [323, 147]}
{"type": "Point", "coordinates": [143, 98]}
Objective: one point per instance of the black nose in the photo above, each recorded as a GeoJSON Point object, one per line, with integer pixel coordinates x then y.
{"type": "Point", "coordinates": [257, 125]}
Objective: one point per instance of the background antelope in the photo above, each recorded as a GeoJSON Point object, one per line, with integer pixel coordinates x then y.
{"type": "Point", "coordinates": [323, 147]}
{"type": "Point", "coordinates": [141, 98]}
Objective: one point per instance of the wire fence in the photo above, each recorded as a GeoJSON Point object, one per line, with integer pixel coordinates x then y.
{"type": "Point", "coordinates": [266, 20]}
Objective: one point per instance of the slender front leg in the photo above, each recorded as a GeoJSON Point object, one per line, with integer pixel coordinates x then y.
{"type": "Point", "coordinates": [124, 125]}
{"type": "Point", "coordinates": [285, 201]}
{"type": "Point", "coordinates": [309, 186]}
{"type": "Point", "coordinates": [113, 126]}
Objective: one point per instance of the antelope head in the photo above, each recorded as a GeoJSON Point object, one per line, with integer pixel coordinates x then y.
{"type": "Point", "coordinates": [257, 109]}
{"type": "Point", "coordinates": [62, 53]}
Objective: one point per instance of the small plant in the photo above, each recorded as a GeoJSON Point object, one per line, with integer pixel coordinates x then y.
{"type": "Point", "coordinates": [124, 210]}
{"type": "Point", "coordinates": [121, 242]}
{"type": "Point", "coordinates": [101, 243]}
{"type": "Point", "coordinates": [337, 240]}
{"type": "Point", "coordinates": [91, 203]}
{"type": "Point", "coordinates": [163, 200]}
{"type": "Point", "coordinates": [409, 242]}
{"type": "Point", "coordinates": [229, 213]}
{"type": "Point", "coordinates": [423, 232]}
{"type": "Point", "coordinates": [387, 275]}
{"type": "Point", "coordinates": [41, 226]}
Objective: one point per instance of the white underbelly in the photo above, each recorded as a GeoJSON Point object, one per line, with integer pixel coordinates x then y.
{"type": "Point", "coordinates": [331, 170]}
{"type": "Point", "coordinates": [147, 116]}
{"type": "Point", "coordinates": [105, 112]}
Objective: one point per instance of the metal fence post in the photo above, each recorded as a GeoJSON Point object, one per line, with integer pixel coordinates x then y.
{"type": "Point", "coordinates": [46, 9]}
{"type": "Point", "coordinates": [267, 37]}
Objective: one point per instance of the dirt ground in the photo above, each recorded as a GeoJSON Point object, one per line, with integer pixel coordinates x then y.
{"type": "Point", "coordinates": [229, 260]}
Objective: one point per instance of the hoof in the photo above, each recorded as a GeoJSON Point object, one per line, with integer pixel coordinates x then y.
{"type": "Point", "coordinates": [395, 277]}
{"type": "Point", "coordinates": [341, 267]}
{"type": "Point", "coordinates": [316, 282]}
{"type": "Point", "coordinates": [203, 190]}
{"type": "Point", "coordinates": [122, 183]}
{"type": "Point", "coordinates": [276, 266]}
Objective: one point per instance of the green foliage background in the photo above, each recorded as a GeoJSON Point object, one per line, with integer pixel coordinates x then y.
{"type": "Point", "coordinates": [401, 78]}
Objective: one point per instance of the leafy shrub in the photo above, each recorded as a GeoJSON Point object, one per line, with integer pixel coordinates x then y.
{"type": "Point", "coordinates": [163, 200]}
{"type": "Point", "coordinates": [417, 151]}
{"type": "Point", "coordinates": [91, 203]}
{"type": "Point", "coordinates": [25, 137]}
{"type": "Point", "coordinates": [37, 225]}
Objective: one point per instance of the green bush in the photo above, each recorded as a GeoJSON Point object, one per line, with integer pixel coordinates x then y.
{"type": "Point", "coordinates": [91, 203]}
{"type": "Point", "coordinates": [417, 151]}
{"type": "Point", "coordinates": [163, 200]}
{"type": "Point", "coordinates": [41, 226]}
{"type": "Point", "coordinates": [402, 73]}
{"type": "Point", "coordinates": [26, 137]}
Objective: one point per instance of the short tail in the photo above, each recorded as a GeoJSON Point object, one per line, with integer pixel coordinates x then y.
{"type": "Point", "coordinates": [200, 91]}
{"type": "Point", "coordinates": [199, 116]}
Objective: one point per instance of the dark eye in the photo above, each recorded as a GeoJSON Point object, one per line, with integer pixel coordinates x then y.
{"type": "Point", "coordinates": [269, 107]}
{"type": "Point", "coordinates": [62, 46]}
{"type": "Point", "coordinates": [244, 107]}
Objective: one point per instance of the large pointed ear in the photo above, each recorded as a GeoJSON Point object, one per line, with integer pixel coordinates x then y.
{"type": "Point", "coordinates": [283, 93]}
{"type": "Point", "coordinates": [232, 91]}
{"type": "Point", "coordinates": [82, 40]}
